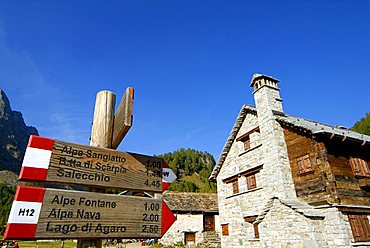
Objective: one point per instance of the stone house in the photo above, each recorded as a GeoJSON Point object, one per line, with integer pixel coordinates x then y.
{"type": "Point", "coordinates": [284, 181]}
{"type": "Point", "coordinates": [197, 221]}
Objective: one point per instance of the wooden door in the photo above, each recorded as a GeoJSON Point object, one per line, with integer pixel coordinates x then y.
{"type": "Point", "coordinates": [209, 223]}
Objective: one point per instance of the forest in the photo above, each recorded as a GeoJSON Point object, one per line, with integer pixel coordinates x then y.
{"type": "Point", "coordinates": [192, 169]}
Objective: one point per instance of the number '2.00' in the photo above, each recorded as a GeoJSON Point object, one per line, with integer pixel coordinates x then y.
{"type": "Point", "coordinates": [150, 217]}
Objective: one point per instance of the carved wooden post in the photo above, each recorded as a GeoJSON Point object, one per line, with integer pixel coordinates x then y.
{"type": "Point", "coordinates": [101, 136]}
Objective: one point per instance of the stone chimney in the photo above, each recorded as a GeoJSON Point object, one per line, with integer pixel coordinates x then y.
{"type": "Point", "coordinates": [268, 91]}
{"type": "Point", "coordinates": [275, 154]}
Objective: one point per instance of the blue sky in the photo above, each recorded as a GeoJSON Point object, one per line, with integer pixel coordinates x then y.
{"type": "Point", "coordinates": [190, 63]}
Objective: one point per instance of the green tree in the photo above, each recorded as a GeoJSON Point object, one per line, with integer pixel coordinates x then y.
{"type": "Point", "coordinates": [363, 125]}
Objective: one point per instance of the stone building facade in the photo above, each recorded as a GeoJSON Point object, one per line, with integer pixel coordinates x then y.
{"type": "Point", "coordinates": [197, 220]}
{"type": "Point", "coordinates": [285, 181]}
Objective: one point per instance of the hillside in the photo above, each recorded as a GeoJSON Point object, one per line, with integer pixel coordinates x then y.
{"type": "Point", "coordinates": [363, 125]}
{"type": "Point", "coordinates": [192, 169]}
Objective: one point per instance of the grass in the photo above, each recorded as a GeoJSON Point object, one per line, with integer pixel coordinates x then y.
{"type": "Point", "coordinates": [47, 244]}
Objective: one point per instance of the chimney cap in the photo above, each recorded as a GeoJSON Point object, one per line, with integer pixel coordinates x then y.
{"type": "Point", "coordinates": [258, 76]}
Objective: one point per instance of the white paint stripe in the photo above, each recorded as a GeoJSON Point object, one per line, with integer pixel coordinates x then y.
{"type": "Point", "coordinates": [168, 175]}
{"type": "Point", "coordinates": [25, 212]}
{"type": "Point", "coordinates": [37, 158]}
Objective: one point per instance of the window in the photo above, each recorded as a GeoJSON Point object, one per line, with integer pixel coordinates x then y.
{"type": "Point", "coordinates": [233, 180]}
{"type": "Point", "coordinates": [235, 187]}
{"type": "Point", "coordinates": [247, 144]}
{"type": "Point", "coordinates": [189, 238]}
{"type": "Point", "coordinates": [251, 181]}
{"type": "Point", "coordinates": [359, 167]}
{"type": "Point", "coordinates": [304, 165]}
{"type": "Point", "coordinates": [360, 227]}
{"type": "Point", "coordinates": [209, 223]}
{"type": "Point", "coordinates": [225, 229]}
{"type": "Point", "coordinates": [246, 138]}
{"type": "Point", "coordinates": [251, 219]}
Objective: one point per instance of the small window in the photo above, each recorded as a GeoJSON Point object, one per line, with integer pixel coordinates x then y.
{"type": "Point", "coordinates": [225, 229]}
{"type": "Point", "coordinates": [251, 181]}
{"type": "Point", "coordinates": [189, 238]}
{"type": "Point", "coordinates": [251, 219]}
{"type": "Point", "coordinates": [246, 138]}
{"type": "Point", "coordinates": [247, 144]}
{"type": "Point", "coordinates": [235, 187]}
{"type": "Point", "coordinates": [360, 227]}
{"type": "Point", "coordinates": [359, 167]}
{"type": "Point", "coordinates": [304, 165]}
{"type": "Point", "coordinates": [234, 183]}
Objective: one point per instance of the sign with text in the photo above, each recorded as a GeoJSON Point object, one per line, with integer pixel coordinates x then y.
{"type": "Point", "coordinates": [39, 213]}
{"type": "Point", "coordinates": [49, 160]}
{"type": "Point", "coordinates": [168, 176]}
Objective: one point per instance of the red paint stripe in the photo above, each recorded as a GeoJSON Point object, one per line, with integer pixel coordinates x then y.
{"type": "Point", "coordinates": [167, 218]}
{"type": "Point", "coordinates": [164, 164]}
{"type": "Point", "coordinates": [41, 142]}
{"type": "Point", "coordinates": [20, 231]}
{"type": "Point", "coordinates": [29, 194]}
{"type": "Point", "coordinates": [165, 186]}
{"type": "Point", "coordinates": [33, 174]}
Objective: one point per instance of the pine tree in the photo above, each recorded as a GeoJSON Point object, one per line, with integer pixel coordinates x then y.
{"type": "Point", "coordinates": [363, 125]}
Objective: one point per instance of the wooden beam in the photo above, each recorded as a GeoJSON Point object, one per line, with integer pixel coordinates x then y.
{"type": "Point", "coordinates": [123, 118]}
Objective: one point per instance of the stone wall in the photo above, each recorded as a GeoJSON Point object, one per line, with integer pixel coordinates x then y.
{"type": "Point", "coordinates": [187, 223]}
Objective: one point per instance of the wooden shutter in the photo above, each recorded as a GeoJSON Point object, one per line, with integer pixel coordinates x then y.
{"type": "Point", "coordinates": [251, 181]}
{"type": "Point", "coordinates": [235, 187]}
{"type": "Point", "coordinates": [256, 232]}
{"type": "Point", "coordinates": [247, 144]}
{"type": "Point", "coordinates": [360, 227]}
{"type": "Point", "coordinates": [304, 165]}
{"type": "Point", "coordinates": [225, 229]}
{"type": "Point", "coordinates": [359, 167]}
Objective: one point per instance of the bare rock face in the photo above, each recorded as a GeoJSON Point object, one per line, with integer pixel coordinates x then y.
{"type": "Point", "coordinates": [14, 136]}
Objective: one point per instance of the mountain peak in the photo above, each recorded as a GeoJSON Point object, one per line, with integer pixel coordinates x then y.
{"type": "Point", "coordinates": [14, 135]}
{"type": "Point", "coordinates": [4, 104]}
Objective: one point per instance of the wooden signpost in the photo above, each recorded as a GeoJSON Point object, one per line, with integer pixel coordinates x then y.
{"type": "Point", "coordinates": [39, 213]}
{"type": "Point", "coordinates": [49, 160]}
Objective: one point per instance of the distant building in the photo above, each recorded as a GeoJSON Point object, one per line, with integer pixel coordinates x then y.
{"type": "Point", "coordinates": [285, 181]}
{"type": "Point", "coordinates": [197, 221]}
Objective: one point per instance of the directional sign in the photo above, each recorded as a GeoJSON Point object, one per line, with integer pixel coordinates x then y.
{"type": "Point", "coordinates": [39, 213]}
{"type": "Point", "coordinates": [49, 160]}
{"type": "Point", "coordinates": [123, 118]}
{"type": "Point", "coordinates": [168, 176]}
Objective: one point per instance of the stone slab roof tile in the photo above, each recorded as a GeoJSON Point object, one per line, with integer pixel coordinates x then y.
{"type": "Point", "coordinates": [319, 128]}
{"type": "Point", "coordinates": [191, 202]}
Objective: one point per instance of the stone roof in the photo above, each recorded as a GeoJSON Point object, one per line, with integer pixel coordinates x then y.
{"type": "Point", "coordinates": [295, 122]}
{"type": "Point", "coordinates": [319, 128]}
{"type": "Point", "coordinates": [191, 202]}
{"type": "Point", "coordinates": [296, 205]}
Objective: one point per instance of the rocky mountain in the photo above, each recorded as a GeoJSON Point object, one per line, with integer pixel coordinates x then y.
{"type": "Point", "coordinates": [14, 134]}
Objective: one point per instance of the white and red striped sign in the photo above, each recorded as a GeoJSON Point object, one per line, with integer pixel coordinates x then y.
{"type": "Point", "coordinates": [39, 213]}
{"type": "Point", "coordinates": [49, 160]}
{"type": "Point", "coordinates": [24, 214]}
{"type": "Point", "coordinates": [168, 176]}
